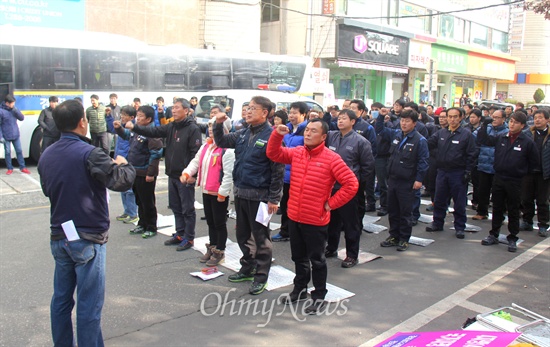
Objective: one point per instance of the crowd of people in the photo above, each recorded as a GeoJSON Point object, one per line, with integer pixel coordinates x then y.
{"type": "Point", "coordinates": [323, 172]}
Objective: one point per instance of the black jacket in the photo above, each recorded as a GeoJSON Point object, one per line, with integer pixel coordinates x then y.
{"type": "Point", "coordinates": [183, 140]}
{"type": "Point", "coordinates": [455, 150]}
{"type": "Point", "coordinates": [512, 160]}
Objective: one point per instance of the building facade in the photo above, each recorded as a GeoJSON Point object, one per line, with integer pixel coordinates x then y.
{"type": "Point", "coordinates": [530, 42]}
{"type": "Point", "coordinates": [377, 50]}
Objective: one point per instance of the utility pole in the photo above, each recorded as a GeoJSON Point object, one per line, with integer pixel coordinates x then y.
{"type": "Point", "coordinates": [431, 72]}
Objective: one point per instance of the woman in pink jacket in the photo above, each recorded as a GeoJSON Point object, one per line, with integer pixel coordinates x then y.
{"type": "Point", "coordinates": [214, 167]}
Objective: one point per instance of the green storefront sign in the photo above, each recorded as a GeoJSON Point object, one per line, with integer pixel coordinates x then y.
{"type": "Point", "coordinates": [450, 59]}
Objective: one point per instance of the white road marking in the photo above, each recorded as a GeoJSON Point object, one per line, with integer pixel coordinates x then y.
{"type": "Point", "coordinates": [460, 297]}
{"type": "Point", "coordinates": [37, 183]}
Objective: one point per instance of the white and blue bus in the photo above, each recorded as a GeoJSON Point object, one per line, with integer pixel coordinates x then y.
{"type": "Point", "coordinates": [38, 63]}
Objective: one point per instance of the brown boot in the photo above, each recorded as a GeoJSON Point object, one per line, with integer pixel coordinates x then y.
{"type": "Point", "coordinates": [216, 258]}
{"type": "Point", "coordinates": [208, 253]}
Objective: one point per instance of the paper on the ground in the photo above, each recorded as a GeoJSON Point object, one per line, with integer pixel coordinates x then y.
{"type": "Point", "coordinates": [205, 277]}
{"type": "Point", "coordinates": [233, 256]}
{"type": "Point", "coordinates": [199, 243]}
{"type": "Point", "coordinates": [420, 241]}
{"type": "Point", "coordinates": [374, 228]}
{"type": "Point", "coordinates": [425, 202]}
{"type": "Point", "coordinates": [232, 214]}
{"type": "Point", "coordinates": [425, 218]}
{"type": "Point", "coordinates": [334, 294]}
{"type": "Point", "coordinates": [502, 239]}
{"type": "Point", "coordinates": [364, 257]}
{"type": "Point", "coordinates": [370, 219]}
{"type": "Point", "coordinates": [165, 221]}
{"type": "Point", "coordinates": [198, 205]}
{"type": "Point", "coordinates": [70, 230]}
{"type": "Point", "coordinates": [274, 226]}
{"type": "Point", "coordinates": [263, 216]}
{"type": "Point", "coordinates": [279, 277]}
{"type": "Point", "coordinates": [470, 227]}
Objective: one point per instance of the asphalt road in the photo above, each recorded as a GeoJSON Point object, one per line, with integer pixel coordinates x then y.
{"type": "Point", "coordinates": [151, 300]}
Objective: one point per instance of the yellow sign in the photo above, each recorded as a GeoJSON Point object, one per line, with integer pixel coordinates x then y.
{"type": "Point", "coordinates": [482, 66]}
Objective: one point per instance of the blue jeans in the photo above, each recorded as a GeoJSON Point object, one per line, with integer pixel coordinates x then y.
{"type": "Point", "coordinates": [129, 203]}
{"type": "Point", "coordinates": [7, 152]}
{"type": "Point", "coordinates": [78, 264]}
{"type": "Point", "coordinates": [181, 200]}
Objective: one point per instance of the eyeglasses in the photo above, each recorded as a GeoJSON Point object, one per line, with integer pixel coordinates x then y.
{"type": "Point", "coordinates": [252, 109]}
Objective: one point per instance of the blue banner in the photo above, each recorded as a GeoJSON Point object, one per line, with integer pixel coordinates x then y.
{"type": "Point", "coordinates": [61, 14]}
{"type": "Point", "coordinates": [36, 102]}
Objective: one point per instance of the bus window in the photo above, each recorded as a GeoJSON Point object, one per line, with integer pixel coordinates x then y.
{"type": "Point", "coordinates": [6, 72]}
{"type": "Point", "coordinates": [122, 79]}
{"type": "Point", "coordinates": [97, 68]}
{"type": "Point", "coordinates": [206, 73]}
{"type": "Point", "coordinates": [37, 67]}
{"type": "Point", "coordinates": [286, 73]}
{"type": "Point", "coordinates": [248, 73]}
{"type": "Point", "coordinates": [64, 79]}
{"type": "Point", "coordinates": [159, 72]}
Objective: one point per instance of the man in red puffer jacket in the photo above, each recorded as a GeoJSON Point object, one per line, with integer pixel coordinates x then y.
{"type": "Point", "coordinates": [315, 169]}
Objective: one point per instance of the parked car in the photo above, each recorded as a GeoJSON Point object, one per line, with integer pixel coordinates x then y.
{"type": "Point", "coordinates": [236, 99]}
{"type": "Point", "coordinates": [489, 103]}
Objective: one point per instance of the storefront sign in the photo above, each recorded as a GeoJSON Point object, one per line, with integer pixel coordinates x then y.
{"type": "Point", "coordinates": [420, 54]}
{"type": "Point", "coordinates": [364, 45]}
{"type": "Point", "coordinates": [328, 6]}
{"type": "Point", "coordinates": [485, 66]}
{"type": "Point", "coordinates": [450, 59]}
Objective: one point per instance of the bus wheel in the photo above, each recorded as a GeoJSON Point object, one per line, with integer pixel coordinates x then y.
{"type": "Point", "coordinates": [36, 142]}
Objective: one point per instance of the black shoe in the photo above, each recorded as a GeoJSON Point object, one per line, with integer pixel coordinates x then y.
{"type": "Point", "coordinates": [174, 240]}
{"type": "Point", "coordinates": [403, 246]}
{"type": "Point", "coordinates": [382, 212]}
{"type": "Point", "coordinates": [459, 234]}
{"type": "Point", "coordinates": [331, 254]}
{"type": "Point", "coordinates": [512, 246]}
{"type": "Point", "coordinates": [137, 230]}
{"type": "Point", "coordinates": [430, 208]}
{"type": "Point", "coordinates": [203, 218]}
{"type": "Point", "coordinates": [315, 307]}
{"type": "Point", "coordinates": [432, 227]}
{"type": "Point", "coordinates": [370, 208]}
{"type": "Point", "coordinates": [414, 222]}
{"type": "Point", "coordinates": [349, 262]}
{"type": "Point", "coordinates": [390, 242]}
{"type": "Point", "coordinates": [525, 226]}
{"type": "Point", "coordinates": [184, 245]}
{"type": "Point", "coordinates": [241, 277]}
{"type": "Point", "coordinates": [293, 297]}
{"type": "Point", "coordinates": [257, 287]}
{"type": "Point", "coordinates": [489, 240]}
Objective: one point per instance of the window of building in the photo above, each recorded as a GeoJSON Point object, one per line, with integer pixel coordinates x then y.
{"type": "Point", "coordinates": [479, 35]}
{"type": "Point", "coordinates": [500, 41]}
{"type": "Point", "coordinates": [418, 24]}
{"type": "Point", "coordinates": [271, 10]}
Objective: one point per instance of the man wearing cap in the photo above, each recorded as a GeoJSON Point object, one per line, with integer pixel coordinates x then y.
{"type": "Point", "coordinates": [183, 140]}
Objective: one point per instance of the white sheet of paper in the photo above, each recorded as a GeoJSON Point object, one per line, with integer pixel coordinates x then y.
{"type": "Point", "coordinates": [263, 216]}
{"type": "Point", "coordinates": [70, 230]}
{"type": "Point", "coordinates": [205, 277]}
